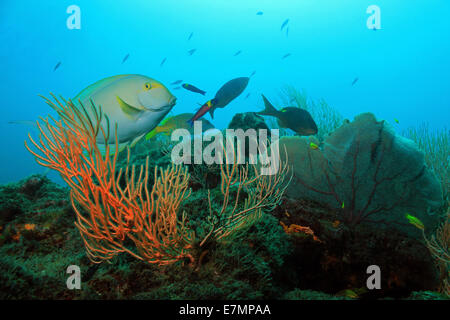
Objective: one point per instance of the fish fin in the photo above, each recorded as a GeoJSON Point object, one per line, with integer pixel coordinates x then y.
{"type": "Point", "coordinates": [136, 140]}
{"type": "Point", "coordinates": [211, 112]}
{"type": "Point", "coordinates": [155, 131]}
{"type": "Point", "coordinates": [269, 108]}
{"type": "Point", "coordinates": [128, 109]}
{"type": "Point", "coordinates": [203, 92]}
{"type": "Point", "coordinates": [29, 123]}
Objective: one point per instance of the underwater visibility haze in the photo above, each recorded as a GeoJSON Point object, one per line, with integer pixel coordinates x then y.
{"type": "Point", "coordinates": [358, 91]}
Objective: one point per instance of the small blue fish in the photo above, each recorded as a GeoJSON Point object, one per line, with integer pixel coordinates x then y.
{"type": "Point", "coordinates": [162, 62]}
{"type": "Point", "coordinates": [177, 82]}
{"type": "Point", "coordinates": [125, 58]}
{"type": "Point", "coordinates": [355, 81]}
{"type": "Point", "coordinates": [284, 24]}
{"type": "Point", "coordinates": [190, 36]}
{"type": "Point", "coordinates": [259, 13]}
{"type": "Point", "coordinates": [191, 52]}
{"type": "Point", "coordinates": [286, 55]}
{"type": "Point", "coordinates": [253, 73]}
{"type": "Point", "coordinates": [248, 95]}
{"type": "Point", "coordinates": [237, 53]}
{"type": "Point", "coordinates": [57, 66]}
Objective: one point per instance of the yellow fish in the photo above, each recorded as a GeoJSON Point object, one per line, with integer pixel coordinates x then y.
{"type": "Point", "coordinates": [134, 102]}
{"type": "Point", "coordinates": [313, 146]}
{"type": "Point", "coordinates": [415, 222]}
{"type": "Point", "coordinates": [179, 121]}
{"type": "Point", "coordinates": [396, 120]}
{"type": "Point", "coordinates": [348, 293]}
{"type": "Point", "coordinates": [343, 205]}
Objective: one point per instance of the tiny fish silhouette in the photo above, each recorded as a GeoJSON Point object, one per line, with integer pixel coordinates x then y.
{"type": "Point", "coordinates": [284, 24]}
{"type": "Point", "coordinates": [177, 82]}
{"type": "Point", "coordinates": [125, 58]}
{"type": "Point", "coordinates": [190, 36]}
{"type": "Point", "coordinates": [192, 88]}
{"type": "Point", "coordinates": [237, 53]}
{"type": "Point", "coordinates": [253, 73]}
{"type": "Point", "coordinates": [57, 66]}
{"type": "Point", "coordinates": [191, 52]}
{"type": "Point", "coordinates": [248, 95]}
{"type": "Point", "coordinates": [286, 55]}
{"type": "Point", "coordinates": [355, 81]}
{"type": "Point", "coordinates": [162, 62]}
{"type": "Point", "coordinates": [259, 13]}
{"type": "Point", "coordinates": [177, 88]}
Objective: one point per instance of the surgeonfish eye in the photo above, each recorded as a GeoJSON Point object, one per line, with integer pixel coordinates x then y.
{"type": "Point", "coordinates": [147, 86]}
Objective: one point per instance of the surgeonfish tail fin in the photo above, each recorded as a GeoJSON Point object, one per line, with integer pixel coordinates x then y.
{"type": "Point", "coordinates": [211, 112]}
{"type": "Point", "coordinates": [269, 108]}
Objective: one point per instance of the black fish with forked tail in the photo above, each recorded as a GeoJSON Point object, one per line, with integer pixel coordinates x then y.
{"type": "Point", "coordinates": [192, 88]}
{"type": "Point", "coordinates": [292, 118]}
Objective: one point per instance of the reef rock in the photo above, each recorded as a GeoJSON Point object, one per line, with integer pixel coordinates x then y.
{"type": "Point", "coordinates": [367, 172]}
{"type": "Point", "coordinates": [248, 120]}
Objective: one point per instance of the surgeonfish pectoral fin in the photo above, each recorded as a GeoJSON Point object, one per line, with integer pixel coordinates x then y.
{"type": "Point", "coordinates": [128, 109]}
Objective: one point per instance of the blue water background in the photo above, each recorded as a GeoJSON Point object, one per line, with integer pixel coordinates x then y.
{"type": "Point", "coordinates": [403, 69]}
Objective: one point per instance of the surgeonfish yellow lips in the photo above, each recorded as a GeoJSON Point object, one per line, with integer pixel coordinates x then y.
{"type": "Point", "coordinates": [172, 101]}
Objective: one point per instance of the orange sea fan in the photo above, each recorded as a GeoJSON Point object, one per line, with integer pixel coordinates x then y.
{"type": "Point", "coordinates": [108, 215]}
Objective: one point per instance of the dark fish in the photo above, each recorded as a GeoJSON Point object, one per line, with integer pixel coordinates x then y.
{"type": "Point", "coordinates": [191, 52]}
{"type": "Point", "coordinates": [190, 36]}
{"type": "Point", "coordinates": [57, 66]}
{"type": "Point", "coordinates": [201, 112]}
{"type": "Point", "coordinates": [177, 82]}
{"type": "Point", "coordinates": [162, 62]}
{"type": "Point", "coordinates": [259, 13]}
{"type": "Point", "coordinates": [125, 58]}
{"type": "Point", "coordinates": [284, 24]}
{"type": "Point", "coordinates": [253, 73]}
{"type": "Point", "coordinates": [286, 55]}
{"type": "Point", "coordinates": [192, 88]}
{"type": "Point", "coordinates": [237, 53]}
{"type": "Point", "coordinates": [228, 92]}
{"type": "Point", "coordinates": [177, 88]}
{"type": "Point", "coordinates": [355, 81]}
{"type": "Point", "coordinates": [248, 95]}
{"type": "Point", "coordinates": [292, 118]}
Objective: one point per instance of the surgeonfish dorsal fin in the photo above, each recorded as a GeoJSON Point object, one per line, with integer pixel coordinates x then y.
{"type": "Point", "coordinates": [128, 109]}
